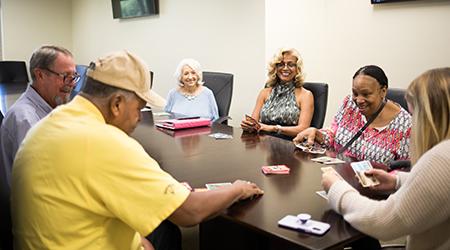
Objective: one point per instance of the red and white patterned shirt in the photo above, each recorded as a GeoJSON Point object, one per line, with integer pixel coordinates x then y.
{"type": "Point", "coordinates": [381, 145]}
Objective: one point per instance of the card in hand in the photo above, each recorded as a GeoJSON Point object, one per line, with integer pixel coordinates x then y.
{"type": "Point", "coordinates": [327, 160]}
{"type": "Point", "coordinates": [322, 194]}
{"type": "Point", "coordinates": [212, 186]}
{"type": "Point", "coordinates": [360, 168]}
{"type": "Point", "coordinates": [312, 149]}
{"type": "Point", "coordinates": [254, 122]}
{"type": "Point", "coordinates": [275, 169]}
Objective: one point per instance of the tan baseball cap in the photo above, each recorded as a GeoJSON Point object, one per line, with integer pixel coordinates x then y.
{"type": "Point", "coordinates": [124, 70]}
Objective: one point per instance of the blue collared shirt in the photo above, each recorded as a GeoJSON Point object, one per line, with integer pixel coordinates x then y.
{"type": "Point", "coordinates": [23, 114]}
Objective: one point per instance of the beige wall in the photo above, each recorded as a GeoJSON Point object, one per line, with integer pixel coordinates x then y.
{"type": "Point", "coordinates": [222, 35]}
{"type": "Point", "coordinates": [337, 37]}
{"type": "Point", "coordinates": [27, 24]}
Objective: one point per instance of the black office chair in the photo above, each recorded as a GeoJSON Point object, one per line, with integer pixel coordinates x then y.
{"type": "Point", "coordinates": [320, 93]}
{"type": "Point", "coordinates": [398, 96]}
{"type": "Point", "coordinates": [13, 72]}
{"type": "Point", "coordinates": [6, 237]}
{"type": "Point", "coordinates": [221, 84]}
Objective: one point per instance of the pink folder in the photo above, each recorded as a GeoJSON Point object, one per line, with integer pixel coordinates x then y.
{"type": "Point", "coordinates": [175, 124]}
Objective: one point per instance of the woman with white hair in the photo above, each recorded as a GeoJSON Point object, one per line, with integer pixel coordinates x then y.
{"type": "Point", "coordinates": [191, 98]}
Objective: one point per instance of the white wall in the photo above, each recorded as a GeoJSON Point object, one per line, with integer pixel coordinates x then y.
{"type": "Point", "coordinates": [27, 24]}
{"type": "Point", "coordinates": [337, 37]}
{"type": "Point", "coordinates": [222, 35]}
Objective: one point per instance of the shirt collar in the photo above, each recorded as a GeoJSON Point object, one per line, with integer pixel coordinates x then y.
{"type": "Point", "coordinates": [88, 107]}
{"type": "Point", "coordinates": [37, 99]}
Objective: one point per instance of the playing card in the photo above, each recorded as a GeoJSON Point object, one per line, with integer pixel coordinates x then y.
{"type": "Point", "coordinates": [254, 122]}
{"type": "Point", "coordinates": [275, 169]}
{"type": "Point", "coordinates": [322, 194]}
{"type": "Point", "coordinates": [328, 160]}
{"type": "Point", "coordinates": [212, 186]}
{"type": "Point", "coordinates": [219, 136]}
{"type": "Point", "coordinates": [312, 149]}
{"type": "Point", "coordinates": [360, 168]}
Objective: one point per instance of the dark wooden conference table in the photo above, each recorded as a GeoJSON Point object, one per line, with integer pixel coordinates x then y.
{"type": "Point", "coordinates": [193, 156]}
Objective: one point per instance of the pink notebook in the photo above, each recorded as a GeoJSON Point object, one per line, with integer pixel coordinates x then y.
{"type": "Point", "coordinates": [183, 123]}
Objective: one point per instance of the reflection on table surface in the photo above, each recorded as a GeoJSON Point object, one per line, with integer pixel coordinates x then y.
{"type": "Point", "coordinates": [199, 159]}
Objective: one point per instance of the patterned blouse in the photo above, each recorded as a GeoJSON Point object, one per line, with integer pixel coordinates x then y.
{"type": "Point", "coordinates": [381, 145]}
{"type": "Point", "coordinates": [281, 107]}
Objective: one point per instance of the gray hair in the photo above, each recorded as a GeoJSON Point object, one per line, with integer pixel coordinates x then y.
{"type": "Point", "coordinates": [195, 65]}
{"type": "Point", "coordinates": [45, 56]}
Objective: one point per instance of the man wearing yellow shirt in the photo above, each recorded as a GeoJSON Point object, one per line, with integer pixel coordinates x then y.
{"type": "Point", "coordinates": [80, 182]}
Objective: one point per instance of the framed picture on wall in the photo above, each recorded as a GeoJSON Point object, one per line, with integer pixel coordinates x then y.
{"type": "Point", "coordinates": [387, 1]}
{"type": "Point", "coordinates": [134, 8]}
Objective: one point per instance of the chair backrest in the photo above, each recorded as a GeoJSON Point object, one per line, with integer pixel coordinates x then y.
{"type": "Point", "coordinates": [398, 96]}
{"type": "Point", "coordinates": [221, 84]}
{"type": "Point", "coordinates": [13, 72]}
{"type": "Point", "coordinates": [81, 69]}
{"type": "Point", "coordinates": [6, 238]}
{"type": "Point", "coordinates": [151, 79]}
{"type": "Point", "coordinates": [320, 93]}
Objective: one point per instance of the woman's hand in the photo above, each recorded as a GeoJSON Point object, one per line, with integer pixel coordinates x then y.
{"type": "Point", "coordinates": [308, 134]}
{"type": "Point", "coordinates": [248, 125]}
{"type": "Point", "coordinates": [329, 178]}
{"type": "Point", "coordinates": [387, 181]}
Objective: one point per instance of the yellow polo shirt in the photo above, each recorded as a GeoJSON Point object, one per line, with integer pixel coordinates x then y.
{"type": "Point", "coordinates": [79, 183]}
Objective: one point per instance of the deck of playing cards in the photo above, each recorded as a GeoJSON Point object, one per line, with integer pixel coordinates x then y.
{"type": "Point", "coordinates": [360, 168]}
{"type": "Point", "coordinates": [255, 123]}
{"type": "Point", "coordinates": [219, 136]}
{"type": "Point", "coordinates": [327, 160]}
{"type": "Point", "coordinates": [275, 169]}
{"type": "Point", "coordinates": [212, 186]}
{"type": "Point", "coordinates": [312, 149]}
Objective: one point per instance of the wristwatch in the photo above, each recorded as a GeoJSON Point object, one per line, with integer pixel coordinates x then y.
{"type": "Point", "coordinates": [278, 128]}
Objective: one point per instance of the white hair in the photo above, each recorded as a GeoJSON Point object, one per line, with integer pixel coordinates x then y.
{"type": "Point", "coordinates": [193, 64]}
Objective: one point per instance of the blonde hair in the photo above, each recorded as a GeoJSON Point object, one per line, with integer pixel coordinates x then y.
{"type": "Point", "coordinates": [272, 68]}
{"type": "Point", "coordinates": [429, 97]}
{"type": "Point", "coordinates": [193, 64]}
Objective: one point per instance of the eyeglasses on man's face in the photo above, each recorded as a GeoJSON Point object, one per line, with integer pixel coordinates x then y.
{"type": "Point", "coordinates": [67, 78]}
{"type": "Point", "coordinates": [290, 65]}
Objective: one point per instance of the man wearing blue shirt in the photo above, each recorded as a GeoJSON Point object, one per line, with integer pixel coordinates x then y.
{"type": "Point", "coordinates": [53, 75]}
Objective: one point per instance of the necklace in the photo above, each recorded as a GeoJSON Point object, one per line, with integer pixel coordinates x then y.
{"type": "Point", "coordinates": [189, 97]}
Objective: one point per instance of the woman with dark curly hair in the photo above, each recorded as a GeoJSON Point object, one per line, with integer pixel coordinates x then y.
{"type": "Point", "coordinates": [283, 106]}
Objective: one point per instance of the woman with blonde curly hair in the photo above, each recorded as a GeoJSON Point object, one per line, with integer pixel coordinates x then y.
{"type": "Point", "coordinates": [283, 106]}
{"type": "Point", "coordinates": [420, 206]}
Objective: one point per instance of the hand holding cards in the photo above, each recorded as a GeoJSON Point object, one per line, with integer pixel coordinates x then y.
{"type": "Point", "coordinates": [360, 168]}
{"type": "Point", "coordinates": [312, 149]}
{"type": "Point", "coordinates": [254, 123]}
